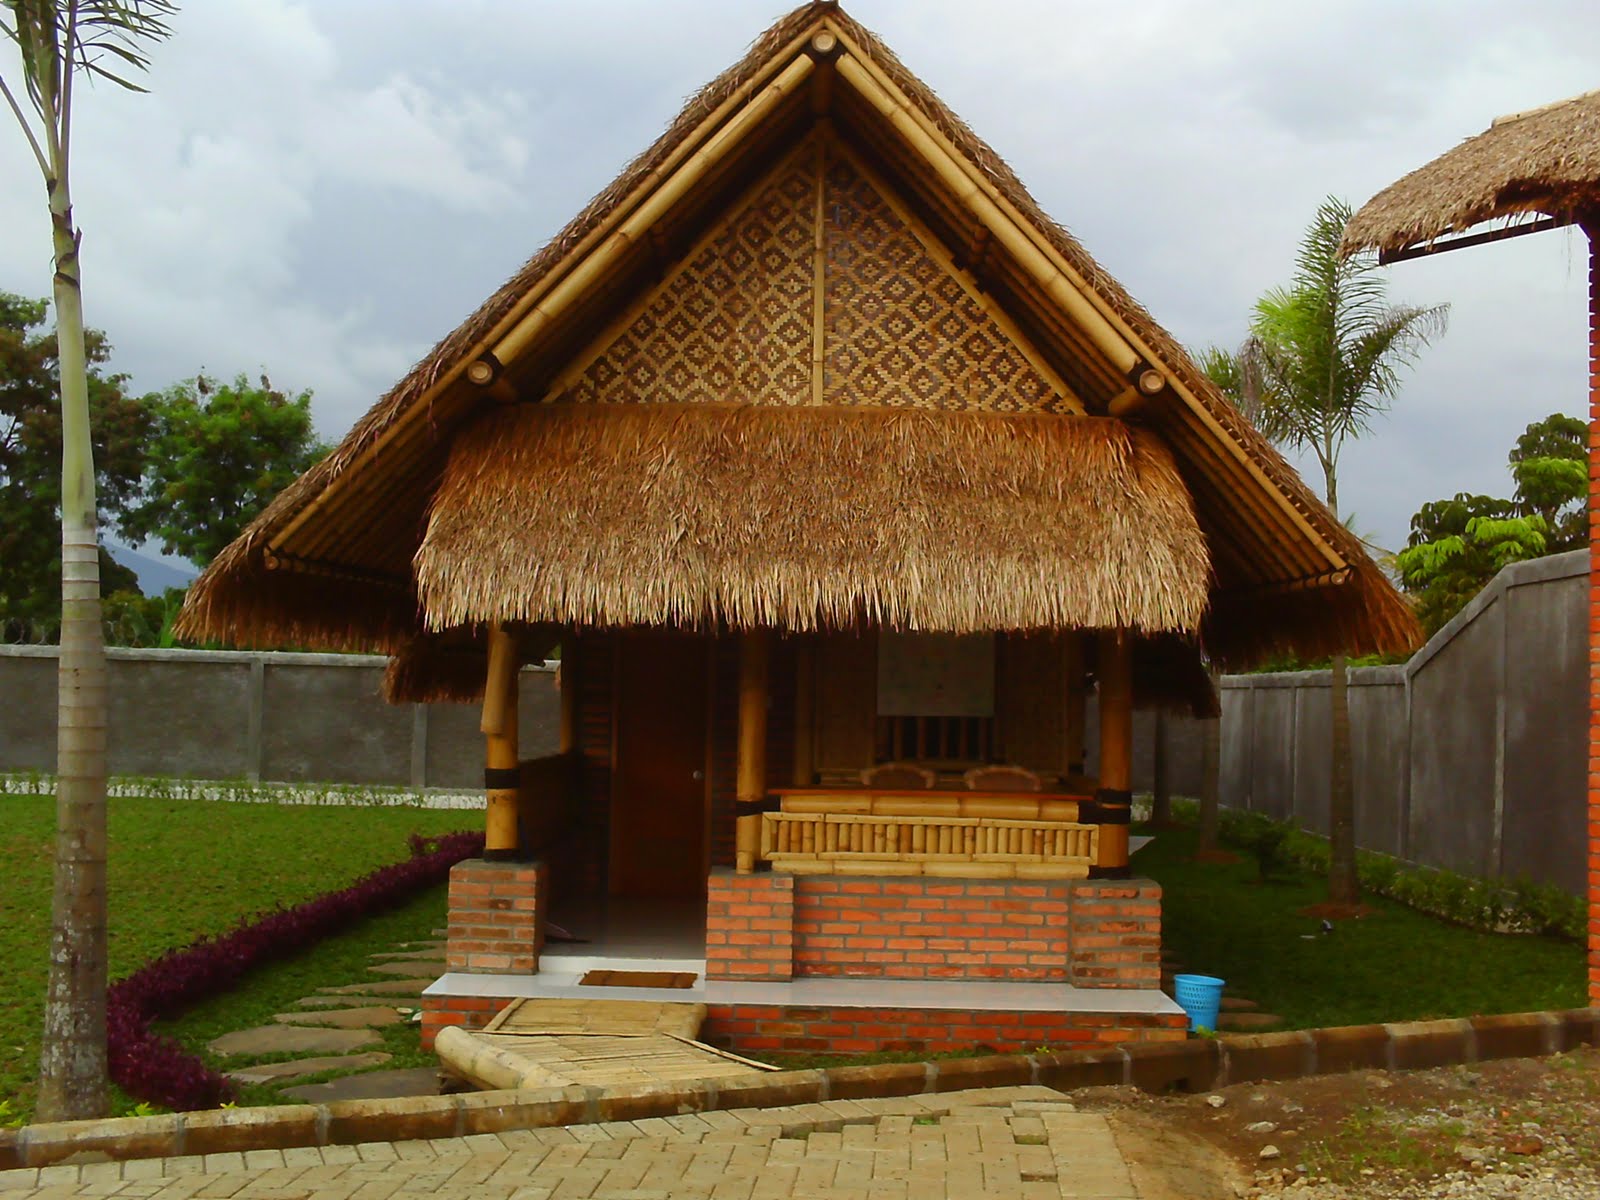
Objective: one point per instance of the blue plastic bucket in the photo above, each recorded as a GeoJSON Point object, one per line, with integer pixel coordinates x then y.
{"type": "Point", "coordinates": [1200, 996]}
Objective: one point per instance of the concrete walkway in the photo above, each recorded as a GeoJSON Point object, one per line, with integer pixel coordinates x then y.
{"type": "Point", "coordinates": [1024, 1143]}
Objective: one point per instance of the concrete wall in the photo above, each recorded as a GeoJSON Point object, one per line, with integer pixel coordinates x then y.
{"type": "Point", "coordinates": [202, 714]}
{"type": "Point", "coordinates": [1471, 756]}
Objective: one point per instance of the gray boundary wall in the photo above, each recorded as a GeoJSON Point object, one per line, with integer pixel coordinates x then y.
{"type": "Point", "coordinates": [1472, 756]}
{"type": "Point", "coordinates": [291, 718]}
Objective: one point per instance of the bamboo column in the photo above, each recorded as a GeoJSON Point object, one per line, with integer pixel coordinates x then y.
{"type": "Point", "coordinates": [752, 773]}
{"type": "Point", "coordinates": [1591, 227]}
{"type": "Point", "coordinates": [1072, 703]}
{"type": "Point", "coordinates": [499, 726]}
{"type": "Point", "coordinates": [1114, 797]}
{"type": "Point", "coordinates": [805, 711]}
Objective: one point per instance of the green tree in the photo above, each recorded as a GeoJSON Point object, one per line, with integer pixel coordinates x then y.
{"type": "Point", "coordinates": [1458, 545]}
{"type": "Point", "coordinates": [1323, 359]}
{"type": "Point", "coordinates": [30, 452]}
{"type": "Point", "coordinates": [58, 41]}
{"type": "Point", "coordinates": [219, 454]}
{"type": "Point", "coordinates": [1550, 466]}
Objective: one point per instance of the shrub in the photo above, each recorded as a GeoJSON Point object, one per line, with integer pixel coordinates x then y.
{"type": "Point", "coordinates": [1491, 905]}
{"type": "Point", "coordinates": [157, 1069]}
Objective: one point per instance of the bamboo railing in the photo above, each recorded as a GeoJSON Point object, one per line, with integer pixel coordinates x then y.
{"type": "Point", "coordinates": [971, 836]}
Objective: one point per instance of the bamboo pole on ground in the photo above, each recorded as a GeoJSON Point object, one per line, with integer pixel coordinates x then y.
{"type": "Point", "coordinates": [752, 766]}
{"type": "Point", "coordinates": [1115, 795]}
{"type": "Point", "coordinates": [499, 726]}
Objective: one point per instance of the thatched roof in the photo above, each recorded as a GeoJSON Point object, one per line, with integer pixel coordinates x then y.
{"type": "Point", "coordinates": [330, 561]}
{"type": "Point", "coordinates": [807, 518]}
{"type": "Point", "coordinates": [1544, 161]}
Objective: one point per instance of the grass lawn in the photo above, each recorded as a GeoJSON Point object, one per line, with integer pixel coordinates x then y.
{"type": "Point", "coordinates": [1394, 965]}
{"type": "Point", "coordinates": [180, 869]}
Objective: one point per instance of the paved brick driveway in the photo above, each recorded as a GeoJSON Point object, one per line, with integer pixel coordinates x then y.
{"type": "Point", "coordinates": [1022, 1143]}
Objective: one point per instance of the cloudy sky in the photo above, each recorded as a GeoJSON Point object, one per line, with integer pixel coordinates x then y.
{"type": "Point", "coordinates": [325, 189]}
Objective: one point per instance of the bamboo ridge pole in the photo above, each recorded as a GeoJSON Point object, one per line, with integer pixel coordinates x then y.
{"type": "Point", "coordinates": [499, 725]}
{"type": "Point", "coordinates": [577, 282]}
{"type": "Point", "coordinates": [752, 771]}
{"type": "Point", "coordinates": [1114, 797]}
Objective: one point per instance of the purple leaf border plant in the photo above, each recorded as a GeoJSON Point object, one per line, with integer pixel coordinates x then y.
{"type": "Point", "coordinates": [160, 1071]}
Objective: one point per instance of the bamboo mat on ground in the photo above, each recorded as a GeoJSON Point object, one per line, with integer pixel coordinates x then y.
{"type": "Point", "coordinates": [596, 1043]}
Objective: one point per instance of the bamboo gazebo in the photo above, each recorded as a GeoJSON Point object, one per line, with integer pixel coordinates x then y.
{"type": "Point", "coordinates": [1528, 172]}
{"type": "Point", "coordinates": [843, 478]}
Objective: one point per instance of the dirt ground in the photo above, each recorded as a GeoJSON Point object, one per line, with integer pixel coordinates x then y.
{"type": "Point", "coordinates": [1522, 1128]}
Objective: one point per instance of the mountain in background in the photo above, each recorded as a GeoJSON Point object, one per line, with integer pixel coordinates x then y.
{"type": "Point", "coordinates": [156, 575]}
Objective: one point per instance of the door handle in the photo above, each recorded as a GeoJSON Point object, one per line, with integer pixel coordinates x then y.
{"type": "Point", "coordinates": [698, 776]}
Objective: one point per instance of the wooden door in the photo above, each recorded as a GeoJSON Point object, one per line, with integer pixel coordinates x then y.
{"type": "Point", "coordinates": [659, 798]}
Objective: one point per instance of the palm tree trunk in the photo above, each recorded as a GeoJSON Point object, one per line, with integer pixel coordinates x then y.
{"type": "Point", "coordinates": [1343, 886]}
{"type": "Point", "coordinates": [72, 1063]}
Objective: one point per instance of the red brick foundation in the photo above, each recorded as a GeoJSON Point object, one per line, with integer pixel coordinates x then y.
{"type": "Point", "coordinates": [494, 923]}
{"type": "Point", "coordinates": [931, 928]}
{"type": "Point", "coordinates": [750, 925]}
{"type": "Point", "coordinates": [1090, 933]}
{"type": "Point", "coordinates": [808, 1029]}
{"type": "Point", "coordinates": [796, 1029]}
{"type": "Point", "coordinates": [1116, 933]}
{"type": "Point", "coordinates": [467, 1012]}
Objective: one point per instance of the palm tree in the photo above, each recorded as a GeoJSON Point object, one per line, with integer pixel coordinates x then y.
{"type": "Point", "coordinates": [1324, 357]}
{"type": "Point", "coordinates": [59, 40]}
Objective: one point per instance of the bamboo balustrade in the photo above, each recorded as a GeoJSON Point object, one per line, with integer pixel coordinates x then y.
{"type": "Point", "coordinates": [971, 835]}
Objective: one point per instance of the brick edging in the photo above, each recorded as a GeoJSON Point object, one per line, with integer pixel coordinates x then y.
{"type": "Point", "coordinates": [1196, 1065]}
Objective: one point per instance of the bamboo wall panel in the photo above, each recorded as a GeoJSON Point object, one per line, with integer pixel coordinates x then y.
{"type": "Point", "coordinates": [738, 322]}
{"type": "Point", "coordinates": [847, 700]}
{"type": "Point", "coordinates": [1029, 697]}
{"type": "Point", "coordinates": [901, 330]}
{"type": "Point", "coordinates": [734, 326]}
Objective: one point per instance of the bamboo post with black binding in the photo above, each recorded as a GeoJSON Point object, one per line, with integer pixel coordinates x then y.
{"type": "Point", "coordinates": [1113, 799]}
{"type": "Point", "coordinates": [1072, 703]}
{"type": "Point", "coordinates": [501, 776]}
{"type": "Point", "coordinates": [751, 792]}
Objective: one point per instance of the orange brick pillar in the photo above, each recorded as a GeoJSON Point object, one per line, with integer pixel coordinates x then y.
{"type": "Point", "coordinates": [496, 919]}
{"type": "Point", "coordinates": [1591, 226]}
{"type": "Point", "coordinates": [749, 925]}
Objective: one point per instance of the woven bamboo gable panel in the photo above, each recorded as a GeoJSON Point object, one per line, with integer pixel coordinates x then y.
{"type": "Point", "coordinates": [736, 323]}
{"type": "Point", "coordinates": [734, 326]}
{"type": "Point", "coordinates": [900, 330]}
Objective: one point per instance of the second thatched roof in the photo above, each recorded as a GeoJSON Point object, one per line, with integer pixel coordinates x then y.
{"type": "Point", "coordinates": [811, 518]}
{"type": "Point", "coordinates": [1544, 161]}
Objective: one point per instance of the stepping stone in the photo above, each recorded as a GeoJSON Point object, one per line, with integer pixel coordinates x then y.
{"type": "Point", "coordinates": [1241, 1022]}
{"type": "Point", "coordinates": [344, 1018]}
{"type": "Point", "coordinates": [385, 987]}
{"type": "Point", "coordinates": [432, 954]}
{"type": "Point", "coordinates": [295, 1068]}
{"type": "Point", "coordinates": [431, 969]}
{"type": "Point", "coordinates": [348, 1001]}
{"type": "Point", "coordinates": [1238, 1004]}
{"type": "Point", "coordinates": [292, 1039]}
{"type": "Point", "coordinates": [374, 1085]}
